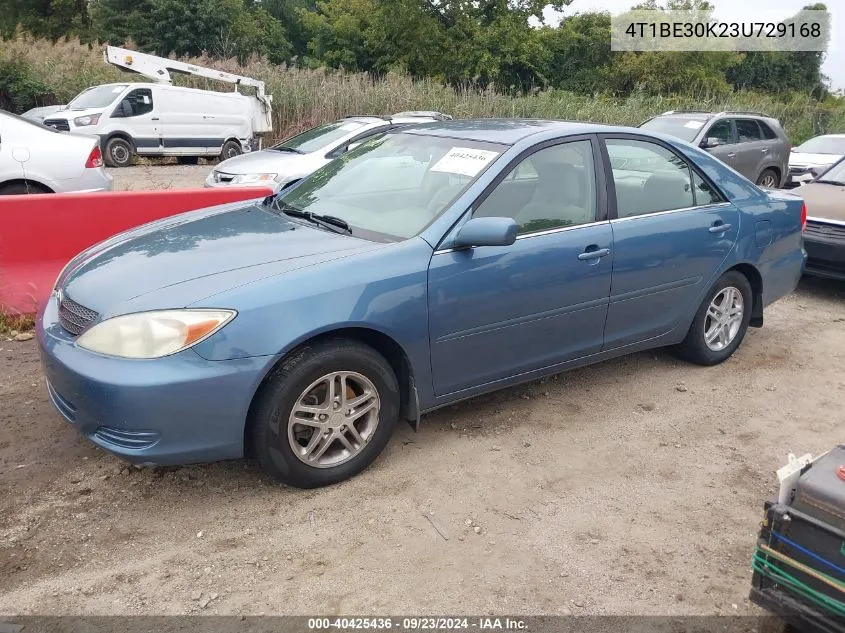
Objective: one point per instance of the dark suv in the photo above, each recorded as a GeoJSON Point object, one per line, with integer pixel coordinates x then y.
{"type": "Point", "coordinates": [753, 144]}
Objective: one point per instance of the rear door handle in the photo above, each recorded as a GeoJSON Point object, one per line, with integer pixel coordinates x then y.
{"type": "Point", "coordinates": [732, 155]}
{"type": "Point", "coordinates": [155, 118]}
{"type": "Point", "coordinates": [765, 150]}
{"type": "Point", "coordinates": [598, 253]}
{"type": "Point", "coordinates": [720, 228]}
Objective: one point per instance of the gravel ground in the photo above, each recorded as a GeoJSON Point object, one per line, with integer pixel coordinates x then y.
{"type": "Point", "coordinates": [631, 487]}
{"type": "Point", "coordinates": [160, 177]}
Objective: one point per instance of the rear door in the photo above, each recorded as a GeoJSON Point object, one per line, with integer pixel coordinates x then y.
{"type": "Point", "coordinates": [752, 149]}
{"type": "Point", "coordinates": [672, 230]}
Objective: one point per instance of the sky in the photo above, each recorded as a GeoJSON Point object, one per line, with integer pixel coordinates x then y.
{"type": "Point", "coordinates": [749, 10]}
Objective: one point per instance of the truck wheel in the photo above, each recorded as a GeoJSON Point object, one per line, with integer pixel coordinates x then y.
{"type": "Point", "coordinates": [230, 150]}
{"type": "Point", "coordinates": [119, 152]}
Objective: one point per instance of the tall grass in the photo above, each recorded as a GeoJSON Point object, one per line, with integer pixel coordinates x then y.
{"type": "Point", "coordinates": [305, 97]}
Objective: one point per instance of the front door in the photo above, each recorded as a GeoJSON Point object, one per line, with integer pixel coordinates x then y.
{"type": "Point", "coordinates": [672, 230]}
{"type": "Point", "coordinates": [496, 312]}
{"type": "Point", "coordinates": [137, 112]}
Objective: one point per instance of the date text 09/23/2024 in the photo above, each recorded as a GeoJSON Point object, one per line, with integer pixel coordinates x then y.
{"type": "Point", "coordinates": [418, 623]}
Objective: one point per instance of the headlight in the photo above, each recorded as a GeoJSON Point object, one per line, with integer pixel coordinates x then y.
{"type": "Point", "coordinates": [246, 179]}
{"type": "Point", "coordinates": [89, 119]}
{"type": "Point", "coordinates": [153, 334]}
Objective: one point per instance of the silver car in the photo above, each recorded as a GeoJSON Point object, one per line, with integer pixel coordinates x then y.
{"type": "Point", "coordinates": [301, 155]}
{"type": "Point", "coordinates": [753, 144]}
{"type": "Point", "coordinates": [38, 159]}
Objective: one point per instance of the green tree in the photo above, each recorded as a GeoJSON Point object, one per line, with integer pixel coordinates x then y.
{"type": "Point", "coordinates": [45, 18]}
{"type": "Point", "coordinates": [119, 21]}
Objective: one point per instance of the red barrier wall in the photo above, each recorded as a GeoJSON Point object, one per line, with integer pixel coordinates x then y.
{"type": "Point", "coordinates": [39, 234]}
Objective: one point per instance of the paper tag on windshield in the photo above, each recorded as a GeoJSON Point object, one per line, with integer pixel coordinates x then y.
{"type": "Point", "coordinates": [464, 161]}
{"type": "Point", "coordinates": [694, 125]}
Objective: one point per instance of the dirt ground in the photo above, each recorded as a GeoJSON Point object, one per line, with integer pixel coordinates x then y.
{"type": "Point", "coordinates": [630, 487]}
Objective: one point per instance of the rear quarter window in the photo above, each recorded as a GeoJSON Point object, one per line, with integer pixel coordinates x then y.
{"type": "Point", "coordinates": [768, 133]}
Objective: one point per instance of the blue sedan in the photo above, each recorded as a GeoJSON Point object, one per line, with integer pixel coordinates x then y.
{"type": "Point", "coordinates": [421, 268]}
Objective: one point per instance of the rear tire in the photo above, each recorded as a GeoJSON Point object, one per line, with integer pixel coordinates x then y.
{"type": "Point", "coordinates": [299, 388]}
{"type": "Point", "coordinates": [118, 152]}
{"type": "Point", "coordinates": [230, 150]}
{"type": "Point", "coordinates": [769, 179]}
{"type": "Point", "coordinates": [188, 160]}
{"type": "Point", "coordinates": [22, 189]}
{"type": "Point", "coordinates": [718, 328]}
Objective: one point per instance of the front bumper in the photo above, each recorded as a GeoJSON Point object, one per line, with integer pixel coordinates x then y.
{"type": "Point", "coordinates": [825, 246]}
{"type": "Point", "coordinates": [169, 411]}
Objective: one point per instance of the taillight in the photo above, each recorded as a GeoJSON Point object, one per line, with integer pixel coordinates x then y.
{"type": "Point", "coordinates": [803, 217]}
{"type": "Point", "coordinates": [95, 158]}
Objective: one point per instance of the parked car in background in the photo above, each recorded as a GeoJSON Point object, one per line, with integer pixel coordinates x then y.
{"type": "Point", "coordinates": [295, 158]}
{"type": "Point", "coordinates": [39, 114]}
{"type": "Point", "coordinates": [812, 157]}
{"type": "Point", "coordinates": [753, 144]}
{"type": "Point", "coordinates": [433, 264]}
{"type": "Point", "coordinates": [37, 159]}
{"type": "Point", "coordinates": [824, 239]}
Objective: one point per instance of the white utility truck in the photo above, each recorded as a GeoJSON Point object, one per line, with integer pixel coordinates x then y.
{"type": "Point", "coordinates": [160, 119]}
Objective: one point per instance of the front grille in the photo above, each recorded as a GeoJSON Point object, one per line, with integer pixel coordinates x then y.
{"type": "Point", "coordinates": [60, 124]}
{"type": "Point", "coordinates": [825, 231]}
{"type": "Point", "coordinates": [75, 318]}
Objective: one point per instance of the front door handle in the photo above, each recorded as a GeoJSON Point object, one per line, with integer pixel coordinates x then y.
{"type": "Point", "coordinates": [765, 150]}
{"type": "Point", "coordinates": [594, 253]}
{"type": "Point", "coordinates": [732, 155]}
{"type": "Point", "coordinates": [155, 118]}
{"type": "Point", "coordinates": [720, 228]}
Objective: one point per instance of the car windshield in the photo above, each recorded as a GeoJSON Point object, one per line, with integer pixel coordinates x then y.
{"type": "Point", "coordinates": [683, 127]}
{"type": "Point", "coordinates": [96, 97]}
{"type": "Point", "coordinates": [393, 186]}
{"type": "Point", "coordinates": [835, 175]}
{"type": "Point", "coordinates": [320, 137]}
{"type": "Point", "coordinates": [823, 145]}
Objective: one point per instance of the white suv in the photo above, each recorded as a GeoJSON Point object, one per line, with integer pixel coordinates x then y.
{"type": "Point", "coordinates": [299, 156]}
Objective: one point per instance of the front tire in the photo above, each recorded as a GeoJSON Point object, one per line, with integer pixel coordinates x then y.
{"type": "Point", "coordinates": [324, 414]}
{"type": "Point", "coordinates": [721, 321]}
{"type": "Point", "coordinates": [118, 152]}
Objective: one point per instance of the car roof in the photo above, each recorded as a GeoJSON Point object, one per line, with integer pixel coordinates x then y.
{"type": "Point", "coordinates": [504, 131]}
{"type": "Point", "coordinates": [829, 136]}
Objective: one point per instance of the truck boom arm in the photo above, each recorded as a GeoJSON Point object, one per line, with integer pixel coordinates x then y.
{"type": "Point", "coordinates": [159, 69]}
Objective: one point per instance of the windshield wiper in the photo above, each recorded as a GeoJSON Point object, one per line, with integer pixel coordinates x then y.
{"type": "Point", "coordinates": [338, 225]}
{"type": "Point", "coordinates": [282, 148]}
{"type": "Point", "coordinates": [831, 182]}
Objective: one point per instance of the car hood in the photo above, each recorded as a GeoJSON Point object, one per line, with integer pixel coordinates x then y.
{"type": "Point", "coordinates": [824, 201]}
{"type": "Point", "coordinates": [263, 162]}
{"type": "Point", "coordinates": [812, 160]}
{"type": "Point", "coordinates": [178, 261]}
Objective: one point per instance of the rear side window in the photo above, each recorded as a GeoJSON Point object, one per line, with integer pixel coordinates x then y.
{"type": "Point", "coordinates": [768, 133]}
{"type": "Point", "coordinates": [648, 178]}
{"type": "Point", "coordinates": [704, 193]}
{"type": "Point", "coordinates": [747, 130]}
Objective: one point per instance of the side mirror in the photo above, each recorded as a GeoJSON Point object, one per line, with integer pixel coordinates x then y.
{"type": "Point", "coordinates": [710, 142]}
{"type": "Point", "coordinates": [486, 232]}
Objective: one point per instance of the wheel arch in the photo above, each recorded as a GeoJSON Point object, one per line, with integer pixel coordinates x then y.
{"type": "Point", "coordinates": [25, 181]}
{"type": "Point", "coordinates": [384, 344]}
{"type": "Point", "coordinates": [750, 272]}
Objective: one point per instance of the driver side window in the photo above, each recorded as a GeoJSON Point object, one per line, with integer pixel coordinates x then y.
{"type": "Point", "coordinates": [136, 103]}
{"type": "Point", "coordinates": [552, 188]}
{"type": "Point", "coordinates": [721, 131]}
